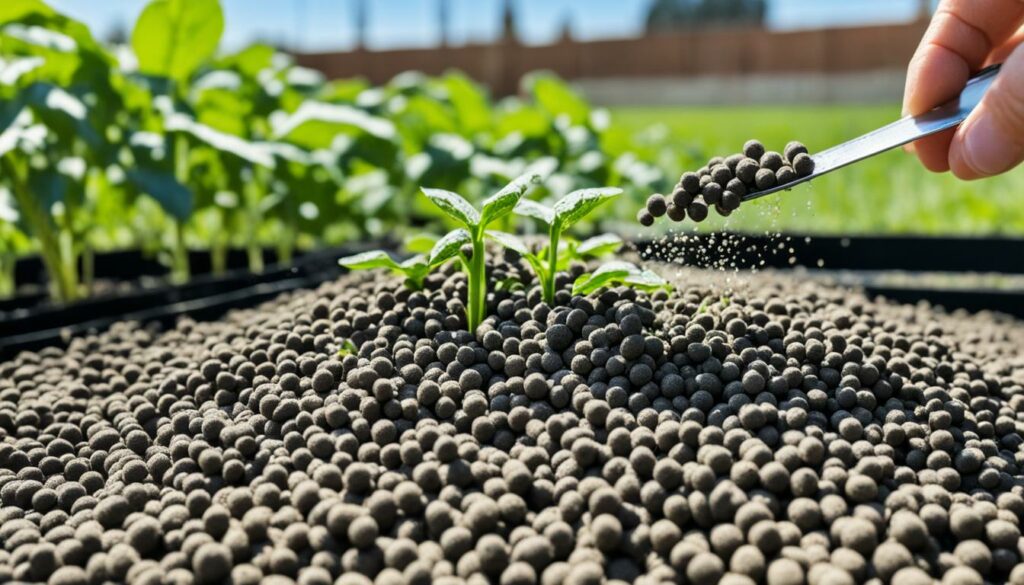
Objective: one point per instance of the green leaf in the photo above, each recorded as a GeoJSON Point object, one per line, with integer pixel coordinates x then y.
{"type": "Point", "coordinates": [603, 276]}
{"type": "Point", "coordinates": [11, 10]}
{"type": "Point", "coordinates": [612, 273]}
{"type": "Point", "coordinates": [414, 262]}
{"type": "Point", "coordinates": [578, 204]}
{"type": "Point", "coordinates": [251, 60]}
{"type": "Point", "coordinates": [557, 98]}
{"type": "Point", "coordinates": [448, 247]}
{"type": "Point", "coordinates": [327, 120]}
{"type": "Point", "coordinates": [172, 38]}
{"type": "Point", "coordinates": [536, 210]}
{"type": "Point", "coordinates": [369, 260]}
{"type": "Point", "coordinates": [598, 246]}
{"type": "Point", "coordinates": [470, 103]}
{"type": "Point", "coordinates": [646, 280]}
{"type": "Point", "coordinates": [509, 284]}
{"type": "Point", "coordinates": [225, 143]}
{"type": "Point", "coordinates": [453, 205]}
{"type": "Point", "coordinates": [420, 243]}
{"type": "Point", "coordinates": [173, 197]}
{"type": "Point", "coordinates": [510, 241]}
{"type": "Point", "coordinates": [503, 202]}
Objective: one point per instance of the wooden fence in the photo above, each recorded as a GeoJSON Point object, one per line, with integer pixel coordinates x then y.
{"type": "Point", "coordinates": [722, 52]}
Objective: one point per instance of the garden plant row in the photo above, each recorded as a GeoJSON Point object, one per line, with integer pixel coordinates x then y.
{"type": "Point", "coordinates": [169, 147]}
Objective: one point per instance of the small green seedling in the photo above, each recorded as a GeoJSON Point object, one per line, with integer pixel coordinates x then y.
{"type": "Point", "coordinates": [568, 211]}
{"type": "Point", "coordinates": [415, 269]}
{"type": "Point", "coordinates": [493, 208]}
{"type": "Point", "coordinates": [616, 274]}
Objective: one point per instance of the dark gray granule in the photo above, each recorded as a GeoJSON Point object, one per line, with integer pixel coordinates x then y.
{"type": "Point", "coordinates": [803, 164]}
{"type": "Point", "coordinates": [732, 161]}
{"type": "Point", "coordinates": [772, 161]}
{"type": "Point", "coordinates": [785, 175]}
{"type": "Point", "coordinates": [737, 186]}
{"type": "Point", "coordinates": [730, 201]}
{"type": "Point", "coordinates": [765, 179]}
{"type": "Point", "coordinates": [645, 218]}
{"type": "Point", "coordinates": [753, 149]}
{"type": "Point", "coordinates": [698, 210]}
{"type": "Point", "coordinates": [721, 175]}
{"type": "Point", "coordinates": [793, 149]}
{"type": "Point", "coordinates": [690, 182]}
{"type": "Point", "coordinates": [712, 193]}
{"type": "Point", "coordinates": [211, 563]}
{"type": "Point", "coordinates": [656, 205]}
{"type": "Point", "coordinates": [681, 198]}
{"type": "Point", "coordinates": [746, 169]}
{"type": "Point", "coordinates": [676, 213]}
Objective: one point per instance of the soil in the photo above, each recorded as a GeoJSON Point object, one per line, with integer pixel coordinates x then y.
{"type": "Point", "coordinates": [772, 430]}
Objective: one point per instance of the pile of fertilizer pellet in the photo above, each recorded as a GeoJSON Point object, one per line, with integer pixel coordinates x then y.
{"type": "Point", "coordinates": [785, 432]}
{"type": "Point", "coordinates": [725, 181]}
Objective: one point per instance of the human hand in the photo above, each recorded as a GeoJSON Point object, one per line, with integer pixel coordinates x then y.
{"type": "Point", "coordinates": [964, 36]}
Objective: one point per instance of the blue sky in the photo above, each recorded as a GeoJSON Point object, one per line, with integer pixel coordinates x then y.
{"type": "Point", "coordinates": [317, 25]}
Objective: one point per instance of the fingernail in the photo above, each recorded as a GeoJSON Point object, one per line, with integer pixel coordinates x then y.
{"type": "Point", "coordinates": [987, 149]}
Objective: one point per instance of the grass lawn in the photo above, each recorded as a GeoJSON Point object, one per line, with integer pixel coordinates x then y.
{"type": "Point", "coordinates": [890, 193]}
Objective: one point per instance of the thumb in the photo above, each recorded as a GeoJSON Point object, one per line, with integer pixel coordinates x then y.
{"type": "Point", "coordinates": [991, 140]}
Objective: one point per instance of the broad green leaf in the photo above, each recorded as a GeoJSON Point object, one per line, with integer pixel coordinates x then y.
{"type": "Point", "coordinates": [342, 90]}
{"type": "Point", "coordinates": [369, 260]}
{"type": "Point", "coordinates": [251, 60]}
{"type": "Point", "coordinates": [41, 37]}
{"type": "Point", "coordinates": [510, 241]}
{"type": "Point", "coordinates": [448, 247]}
{"type": "Point", "coordinates": [12, 70]}
{"type": "Point", "coordinates": [286, 152]}
{"type": "Point", "coordinates": [578, 204]}
{"type": "Point", "coordinates": [454, 206]}
{"type": "Point", "coordinates": [470, 103]}
{"type": "Point", "coordinates": [604, 276]}
{"type": "Point", "coordinates": [598, 246]}
{"type": "Point", "coordinates": [557, 98]}
{"type": "Point", "coordinates": [536, 210]}
{"type": "Point", "coordinates": [330, 117]}
{"type": "Point", "coordinates": [172, 38]}
{"type": "Point", "coordinates": [414, 262]}
{"type": "Point", "coordinates": [8, 211]}
{"type": "Point", "coordinates": [225, 143]}
{"type": "Point", "coordinates": [503, 202]}
{"type": "Point", "coordinates": [27, 138]}
{"type": "Point", "coordinates": [612, 273]}
{"type": "Point", "coordinates": [646, 280]}
{"type": "Point", "coordinates": [420, 243]}
{"type": "Point", "coordinates": [173, 197]}
{"type": "Point", "coordinates": [415, 270]}
{"type": "Point", "coordinates": [11, 10]}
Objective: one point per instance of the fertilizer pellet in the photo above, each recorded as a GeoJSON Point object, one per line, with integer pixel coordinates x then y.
{"type": "Point", "coordinates": [791, 433]}
{"type": "Point", "coordinates": [742, 174]}
{"type": "Point", "coordinates": [656, 205]}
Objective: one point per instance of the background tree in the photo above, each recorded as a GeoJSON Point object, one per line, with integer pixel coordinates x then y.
{"type": "Point", "coordinates": [668, 15]}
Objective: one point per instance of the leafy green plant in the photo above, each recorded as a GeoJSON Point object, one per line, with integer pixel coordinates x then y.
{"type": "Point", "coordinates": [619, 274]}
{"type": "Point", "coordinates": [415, 269]}
{"type": "Point", "coordinates": [475, 232]}
{"type": "Point", "coordinates": [568, 211]}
